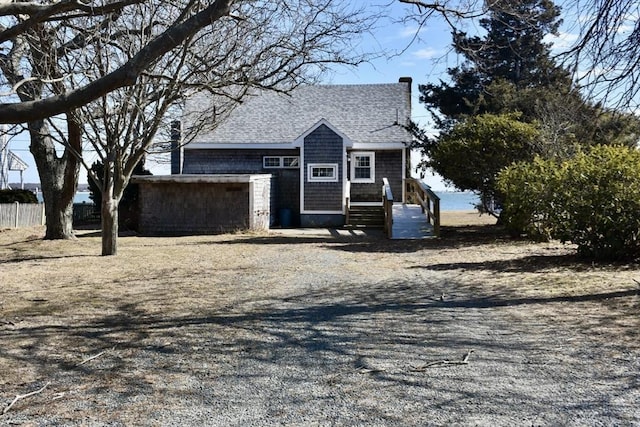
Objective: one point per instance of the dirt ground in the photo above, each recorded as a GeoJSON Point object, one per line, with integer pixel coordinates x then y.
{"type": "Point", "coordinates": [321, 327]}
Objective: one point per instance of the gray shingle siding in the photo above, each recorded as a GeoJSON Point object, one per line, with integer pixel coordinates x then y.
{"type": "Point", "coordinates": [323, 146]}
{"type": "Point", "coordinates": [177, 209]}
{"type": "Point", "coordinates": [230, 161]}
{"type": "Point", "coordinates": [285, 190]}
{"type": "Point", "coordinates": [388, 165]}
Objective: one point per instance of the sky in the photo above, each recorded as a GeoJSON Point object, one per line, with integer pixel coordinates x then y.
{"type": "Point", "coordinates": [404, 50]}
{"type": "Point", "coordinates": [397, 57]}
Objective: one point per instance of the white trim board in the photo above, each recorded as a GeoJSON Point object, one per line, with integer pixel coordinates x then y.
{"type": "Point", "coordinates": [322, 213]}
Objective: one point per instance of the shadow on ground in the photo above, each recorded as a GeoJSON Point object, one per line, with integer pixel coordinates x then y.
{"type": "Point", "coordinates": [375, 240]}
{"type": "Point", "coordinates": [352, 349]}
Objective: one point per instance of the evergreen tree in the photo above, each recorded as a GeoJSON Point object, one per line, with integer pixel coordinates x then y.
{"type": "Point", "coordinates": [508, 78]}
{"type": "Point", "coordinates": [512, 52]}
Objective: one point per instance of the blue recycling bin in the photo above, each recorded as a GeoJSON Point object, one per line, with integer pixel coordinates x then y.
{"type": "Point", "coordinates": [284, 217]}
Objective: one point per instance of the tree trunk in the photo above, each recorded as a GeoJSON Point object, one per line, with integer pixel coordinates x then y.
{"type": "Point", "coordinates": [58, 179]}
{"type": "Point", "coordinates": [111, 196]}
{"type": "Point", "coordinates": [109, 212]}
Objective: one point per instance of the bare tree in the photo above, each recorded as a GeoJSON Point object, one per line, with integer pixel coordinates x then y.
{"type": "Point", "coordinates": [270, 45]}
{"type": "Point", "coordinates": [56, 58]}
{"type": "Point", "coordinates": [605, 56]}
{"type": "Point", "coordinates": [31, 53]}
{"type": "Point", "coordinates": [182, 21]}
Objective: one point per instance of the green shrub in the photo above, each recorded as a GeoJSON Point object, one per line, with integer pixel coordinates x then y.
{"type": "Point", "coordinates": [592, 200]}
{"type": "Point", "coordinates": [20, 196]}
{"type": "Point", "coordinates": [472, 153]}
{"type": "Point", "coordinates": [530, 189]}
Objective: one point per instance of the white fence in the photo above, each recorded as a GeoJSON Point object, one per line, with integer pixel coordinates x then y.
{"type": "Point", "coordinates": [21, 214]}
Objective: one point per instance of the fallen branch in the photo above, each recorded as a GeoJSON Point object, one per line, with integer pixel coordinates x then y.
{"type": "Point", "coordinates": [437, 363]}
{"type": "Point", "coordinates": [23, 396]}
{"type": "Point", "coordinates": [364, 370]}
{"type": "Point", "coordinates": [464, 361]}
{"type": "Point", "coordinates": [88, 359]}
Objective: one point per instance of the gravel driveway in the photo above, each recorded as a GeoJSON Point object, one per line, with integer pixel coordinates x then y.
{"type": "Point", "coordinates": [334, 330]}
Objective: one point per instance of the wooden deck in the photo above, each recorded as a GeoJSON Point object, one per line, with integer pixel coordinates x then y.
{"type": "Point", "coordinates": [409, 222]}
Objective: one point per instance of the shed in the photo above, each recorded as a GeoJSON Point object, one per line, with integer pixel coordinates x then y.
{"type": "Point", "coordinates": [203, 204]}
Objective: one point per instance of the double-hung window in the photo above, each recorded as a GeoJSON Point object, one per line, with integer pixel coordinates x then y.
{"type": "Point", "coordinates": [363, 166]}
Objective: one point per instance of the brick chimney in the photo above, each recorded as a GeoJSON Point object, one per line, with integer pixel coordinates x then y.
{"type": "Point", "coordinates": [405, 80]}
{"type": "Point", "coordinates": [408, 81]}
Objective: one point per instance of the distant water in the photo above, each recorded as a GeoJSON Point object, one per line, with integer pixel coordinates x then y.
{"type": "Point", "coordinates": [449, 200]}
{"type": "Point", "coordinates": [80, 197]}
{"type": "Point", "coordinates": [457, 200]}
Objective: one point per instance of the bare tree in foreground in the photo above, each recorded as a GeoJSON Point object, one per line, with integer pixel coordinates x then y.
{"type": "Point", "coordinates": [183, 20]}
{"type": "Point", "coordinates": [31, 53]}
{"type": "Point", "coordinates": [57, 58]}
{"type": "Point", "coordinates": [274, 45]}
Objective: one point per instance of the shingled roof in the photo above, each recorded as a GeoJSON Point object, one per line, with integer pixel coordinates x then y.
{"type": "Point", "coordinates": [371, 113]}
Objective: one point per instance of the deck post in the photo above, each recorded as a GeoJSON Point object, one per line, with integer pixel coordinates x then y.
{"type": "Point", "coordinates": [436, 217]}
{"type": "Point", "coordinates": [387, 203]}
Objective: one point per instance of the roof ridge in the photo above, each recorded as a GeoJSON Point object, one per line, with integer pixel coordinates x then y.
{"type": "Point", "coordinates": [352, 84]}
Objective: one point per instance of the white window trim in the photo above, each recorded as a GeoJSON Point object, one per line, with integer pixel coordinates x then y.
{"type": "Point", "coordinates": [372, 156]}
{"type": "Point", "coordinates": [280, 162]}
{"type": "Point", "coordinates": [297, 160]}
{"type": "Point", "coordinates": [264, 162]}
{"type": "Point", "coordinates": [311, 178]}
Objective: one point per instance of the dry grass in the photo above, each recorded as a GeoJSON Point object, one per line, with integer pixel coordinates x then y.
{"type": "Point", "coordinates": [463, 218]}
{"type": "Point", "coordinates": [60, 302]}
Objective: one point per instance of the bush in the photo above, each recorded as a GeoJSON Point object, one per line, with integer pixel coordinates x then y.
{"type": "Point", "coordinates": [20, 196]}
{"type": "Point", "coordinates": [530, 190]}
{"type": "Point", "coordinates": [592, 200]}
{"type": "Point", "coordinates": [471, 154]}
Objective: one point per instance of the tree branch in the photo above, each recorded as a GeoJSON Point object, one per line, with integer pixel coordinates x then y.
{"type": "Point", "coordinates": [23, 396]}
{"type": "Point", "coordinates": [40, 13]}
{"type": "Point", "coordinates": [126, 75]}
{"type": "Point", "coordinates": [16, 86]}
{"type": "Point", "coordinates": [445, 11]}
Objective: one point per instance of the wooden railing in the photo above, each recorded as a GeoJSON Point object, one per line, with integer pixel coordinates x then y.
{"type": "Point", "coordinates": [419, 193]}
{"type": "Point", "coordinates": [387, 203]}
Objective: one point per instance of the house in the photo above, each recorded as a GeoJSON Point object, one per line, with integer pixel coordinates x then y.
{"type": "Point", "coordinates": [322, 149]}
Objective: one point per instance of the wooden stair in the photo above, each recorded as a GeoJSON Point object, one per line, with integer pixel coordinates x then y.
{"type": "Point", "coordinates": [366, 217]}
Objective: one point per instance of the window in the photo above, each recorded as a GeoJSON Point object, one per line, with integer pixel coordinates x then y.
{"type": "Point", "coordinates": [322, 172]}
{"type": "Point", "coordinates": [271, 162]}
{"type": "Point", "coordinates": [290, 162]}
{"type": "Point", "coordinates": [279, 162]}
{"type": "Point", "coordinates": [363, 167]}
